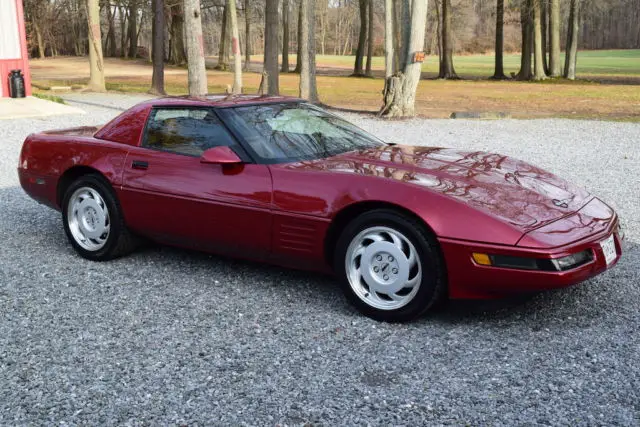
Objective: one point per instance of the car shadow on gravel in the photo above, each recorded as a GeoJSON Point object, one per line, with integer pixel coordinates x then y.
{"type": "Point", "coordinates": [321, 290]}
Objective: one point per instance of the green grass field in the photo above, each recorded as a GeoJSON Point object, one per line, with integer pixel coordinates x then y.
{"type": "Point", "coordinates": [615, 63]}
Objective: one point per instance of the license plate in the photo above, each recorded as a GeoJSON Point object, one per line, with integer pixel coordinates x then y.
{"type": "Point", "coordinates": [609, 249]}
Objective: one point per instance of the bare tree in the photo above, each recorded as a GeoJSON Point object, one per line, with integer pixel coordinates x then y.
{"type": "Point", "coordinates": [247, 37]}
{"type": "Point", "coordinates": [110, 43]}
{"type": "Point", "coordinates": [235, 45]}
{"type": "Point", "coordinates": [403, 30]}
{"type": "Point", "coordinates": [571, 57]}
{"type": "Point", "coordinates": [124, 19]}
{"type": "Point", "coordinates": [370, 47]}
{"type": "Point", "coordinates": [545, 32]}
{"type": "Point", "coordinates": [158, 25]}
{"type": "Point", "coordinates": [446, 67]}
{"type": "Point", "coordinates": [538, 72]}
{"type": "Point", "coordinates": [197, 74]}
{"type": "Point", "coordinates": [498, 73]}
{"type": "Point", "coordinates": [400, 89]}
{"type": "Point", "coordinates": [388, 40]}
{"type": "Point", "coordinates": [362, 38]}
{"type": "Point", "coordinates": [299, 50]}
{"type": "Point", "coordinates": [271, 46]}
{"type": "Point", "coordinates": [133, 28]}
{"type": "Point", "coordinates": [554, 30]}
{"type": "Point", "coordinates": [177, 51]}
{"type": "Point", "coordinates": [526, 22]}
{"type": "Point", "coordinates": [96, 64]}
{"type": "Point", "coordinates": [223, 51]}
{"type": "Point", "coordinates": [308, 87]}
{"type": "Point", "coordinates": [285, 36]}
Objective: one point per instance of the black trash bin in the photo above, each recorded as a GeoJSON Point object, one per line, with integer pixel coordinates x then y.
{"type": "Point", "coordinates": [16, 84]}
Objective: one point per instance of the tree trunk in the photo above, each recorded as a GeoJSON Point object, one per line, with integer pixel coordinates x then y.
{"type": "Point", "coordinates": [368, 71]}
{"type": "Point", "coordinates": [538, 72]}
{"type": "Point", "coordinates": [299, 49]}
{"type": "Point", "coordinates": [111, 32]}
{"type": "Point", "coordinates": [554, 34]}
{"type": "Point", "coordinates": [271, 46]}
{"type": "Point", "coordinates": [235, 47]}
{"type": "Point", "coordinates": [223, 52]}
{"type": "Point", "coordinates": [447, 71]}
{"type": "Point", "coordinates": [400, 89]}
{"type": "Point", "coordinates": [41, 48]}
{"type": "Point", "coordinates": [439, 31]}
{"type": "Point", "coordinates": [323, 27]}
{"type": "Point", "coordinates": [526, 23]}
{"type": "Point", "coordinates": [96, 66]}
{"type": "Point", "coordinates": [401, 32]}
{"type": "Point", "coordinates": [388, 40]}
{"type": "Point", "coordinates": [157, 29]}
{"type": "Point", "coordinates": [114, 49]}
{"type": "Point", "coordinates": [571, 57]}
{"type": "Point", "coordinates": [308, 89]}
{"type": "Point", "coordinates": [247, 37]}
{"type": "Point", "coordinates": [338, 34]}
{"type": "Point", "coordinates": [197, 74]}
{"type": "Point", "coordinates": [545, 36]}
{"type": "Point", "coordinates": [133, 30]}
{"type": "Point", "coordinates": [285, 36]}
{"type": "Point", "coordinates": [178, 54]}
{"type": "Point", "coordinates": [498, 73]}
{"type": "Point", "coordinates": [362, 38]}
{"type": "Point", "coordinates": [397, 35]}
{"type": "Point", "coordinates": [405, 31]}
{"type": "Point", "coordinates": [123, 32]}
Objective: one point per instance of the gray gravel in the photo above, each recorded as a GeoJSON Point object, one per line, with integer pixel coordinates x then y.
{"type": "Point", "coordinates": [168, 336]}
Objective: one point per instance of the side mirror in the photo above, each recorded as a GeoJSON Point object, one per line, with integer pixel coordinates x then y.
{"type": "Point", "coordinates": [220, 156]}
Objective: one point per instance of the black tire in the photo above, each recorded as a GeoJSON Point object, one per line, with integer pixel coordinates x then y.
{"type": "Point", "coordinates": [119, 241]}
{"type": "Point", "coordinates": [432, 287]}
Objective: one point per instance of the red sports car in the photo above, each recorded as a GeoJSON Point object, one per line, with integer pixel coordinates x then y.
{"type": "Point", "coordinates": [279, 180]}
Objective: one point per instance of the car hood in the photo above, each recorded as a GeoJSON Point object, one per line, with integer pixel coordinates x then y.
{"type": "Point", "coordinates": [511, 190]}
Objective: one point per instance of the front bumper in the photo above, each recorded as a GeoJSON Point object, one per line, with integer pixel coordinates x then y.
{"type": "Point", "coordinates": [469, 280]}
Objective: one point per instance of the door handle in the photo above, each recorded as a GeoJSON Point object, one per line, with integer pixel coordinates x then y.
{"type": "Point", "coordinates": [139, 164]}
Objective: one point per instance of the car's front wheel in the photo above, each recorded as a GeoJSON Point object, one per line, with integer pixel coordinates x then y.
{"type": "Point", "coordinates": [93, 220]}
{"type": "Point", "coordinates": [390, 265]}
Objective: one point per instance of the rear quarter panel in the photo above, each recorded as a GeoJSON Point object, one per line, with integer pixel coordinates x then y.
{"type": "Point", "coordinates": [46, 157]}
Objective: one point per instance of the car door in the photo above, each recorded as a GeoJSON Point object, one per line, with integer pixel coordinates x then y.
{"type": "Point", "coordinates": [172, 197]}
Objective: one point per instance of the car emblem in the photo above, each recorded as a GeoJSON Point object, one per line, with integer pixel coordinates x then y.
{"type": "Point", "coordinates": [560, 203]}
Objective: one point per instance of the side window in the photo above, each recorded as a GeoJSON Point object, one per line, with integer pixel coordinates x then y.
{"type": "Point", "coordinates": [187, 131]}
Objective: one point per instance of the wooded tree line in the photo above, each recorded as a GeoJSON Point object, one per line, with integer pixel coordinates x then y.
{"type": "Point", "coordinates": [58, 27]}
{"type": "Point", "coordinates": [180, 23]}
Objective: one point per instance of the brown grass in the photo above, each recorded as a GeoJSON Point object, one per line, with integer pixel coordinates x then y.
{"type": "Point", "coordinates": [436, 99]}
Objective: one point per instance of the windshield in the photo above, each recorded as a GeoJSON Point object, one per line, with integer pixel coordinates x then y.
{"type": "Point", "coordinates": [295, 131]}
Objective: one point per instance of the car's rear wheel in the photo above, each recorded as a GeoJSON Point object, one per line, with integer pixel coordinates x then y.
{"type": "Point", "coordinates": [93, 220]}
{"type": "Point", "coordinates": [391, 266]}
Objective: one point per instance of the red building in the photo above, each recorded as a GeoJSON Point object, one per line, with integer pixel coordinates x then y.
{"type": "Point", "coordinates": [13, 44]}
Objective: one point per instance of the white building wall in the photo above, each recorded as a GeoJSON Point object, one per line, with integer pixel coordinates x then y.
{"type": "Point", "coordinates": [9, 34]}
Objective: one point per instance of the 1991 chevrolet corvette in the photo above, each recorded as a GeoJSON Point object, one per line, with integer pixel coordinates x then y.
{"type": "Point", "coordinates": [279, 180]}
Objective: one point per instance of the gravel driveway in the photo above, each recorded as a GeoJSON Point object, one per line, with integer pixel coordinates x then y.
{"type": "Point", "coordinates": [167, 336]}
